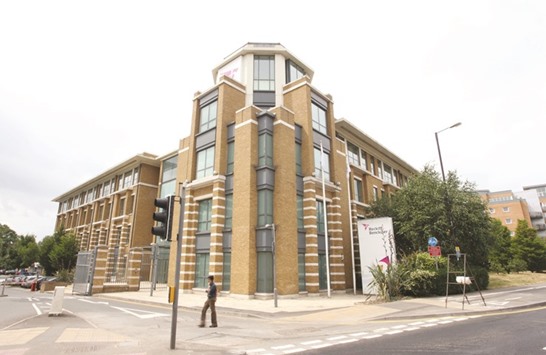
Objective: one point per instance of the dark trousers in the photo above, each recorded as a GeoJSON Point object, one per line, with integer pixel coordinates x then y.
{"type": "Point", "coordinates": [211, 302]}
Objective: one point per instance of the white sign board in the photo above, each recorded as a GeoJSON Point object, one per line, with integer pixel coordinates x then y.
{"type": "Point", "coordinates": [376, 246]}
{"type": "Point", "coordinates": [57, 304]}
{"type": "Point", "coordinates": [231, 70]}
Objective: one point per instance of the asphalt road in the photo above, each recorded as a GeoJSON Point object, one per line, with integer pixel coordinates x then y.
{"type": "Point", "coordinates": [509, 333]}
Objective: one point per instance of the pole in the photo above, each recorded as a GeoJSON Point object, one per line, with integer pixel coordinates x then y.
{"type": "Point", "coordinates": [177, 266]}
{"type": "Point", "coordinates": [275, 293]}
{"type": "Point", "coordinates": [440, 156]}
{"type": "Point", "coordinates": [154, 269]}
{"type": "Point", "coordinates": [350, 216]}
{"type": "Point", "coordinates": [325, 220]}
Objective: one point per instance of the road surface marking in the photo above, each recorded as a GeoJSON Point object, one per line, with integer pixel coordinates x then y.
{"type": "Point", "coordinates": [337, 338]}
{"type": "Point", "coordinates": [296, 350]}
{"type": "Point", "coordinates": [20, 336]}
{"type": "Point", "coordinates": [281, 347]}
{"type": "Point", "coordinates": [140, 313]}
{"type": "Point", "coordinates": [252, 351]}
{"type": "Point", "coordinates": [38, 311]}
{"type": "Point", "coordinates": [358, 334]}
{"type": "Point", "coordinates": [311, 342]}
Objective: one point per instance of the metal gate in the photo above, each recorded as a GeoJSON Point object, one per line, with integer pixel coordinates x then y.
{"type": "Point", "coordinates": [85, 269]}
{"type": "Point", "coordinates": [154, 268]}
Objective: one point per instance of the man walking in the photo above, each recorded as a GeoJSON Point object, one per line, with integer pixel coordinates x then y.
{"type": "Point", "coordinates": [210, 302]}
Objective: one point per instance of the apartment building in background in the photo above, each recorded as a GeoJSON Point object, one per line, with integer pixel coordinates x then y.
{"type": "Point", "coordinates": [113, 211]}
{"type": "Point", "coordinates": [509, 207]}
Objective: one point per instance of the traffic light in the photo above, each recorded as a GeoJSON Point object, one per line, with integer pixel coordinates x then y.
{"type": "Point", "coordinates": [164, 217]}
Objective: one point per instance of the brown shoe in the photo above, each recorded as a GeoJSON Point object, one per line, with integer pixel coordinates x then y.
{"type": "Point", "coordinates": [201, 325]}
{"type": "Point", "coordinates": [213, 325]}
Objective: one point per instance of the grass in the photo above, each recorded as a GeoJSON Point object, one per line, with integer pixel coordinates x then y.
{"type": "Point", "coordinates": [515, 279]}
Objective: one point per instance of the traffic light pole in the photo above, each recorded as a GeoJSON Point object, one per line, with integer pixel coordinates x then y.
{"type": "Point", "coordinates": [174, 318]}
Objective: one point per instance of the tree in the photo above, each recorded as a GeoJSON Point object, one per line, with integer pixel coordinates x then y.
{"type": "Point", "coordinates": [27, 251]}
{"type": "Point", "coordinates": [63, 256]}
{"type": "Point", "coordinates": [451, 211]}
{"type": "Point", "coordinates": [500, 252]}
{"type": "Point", "coordinates": [527, 246]}
{"type": "Point", "coordinates": [8, 252]}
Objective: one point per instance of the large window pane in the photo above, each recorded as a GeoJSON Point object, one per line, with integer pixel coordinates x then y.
{"type": "Point", "coordinates": [264, 73]}
{"type": "Point", "coordinates": [230, 157]}
{"type": "Point", "coordinates": [201, 270]}
{"type": "Point", "coordinates": [319, 118]}
{"type": "Point", "coordinates": [320, 217]}
{"type": "Point", "coordinates": [205, 163]}
{"type": "Point", "coordinates": [323, 270]}
{"type": "Point", "coordinates": [229, 211]}
{"type": "Point", "coordinates": [299, 207]}
{"type": "Point", "coordinates": [265, 150]}
{"type": "Point", "coordinates": [208, 116]}
{"type": "Point", "coordinates": [353, 154]}
{"type": "Point", "coordinates": [226, 277]}
{"type": "Point", "coordinates": [265, 272]}
{"type": "Point", "coordinates": [325, 158]}
{"type": "Point", "coordinates": [205, 215]}
{"type": "Point", "coordinates": [265, 207]}
{"type": "Point", "coordinates": [301, 271]}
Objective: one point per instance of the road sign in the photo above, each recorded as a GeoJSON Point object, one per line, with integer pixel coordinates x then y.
{"type": "Point", "coordinates": [432, 241]}
{"type": "Point", "coordinates": [435, 251]}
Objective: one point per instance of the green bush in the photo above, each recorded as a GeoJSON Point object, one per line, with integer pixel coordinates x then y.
{"type": "Point", "coordinates": [65, 275]}
{"type": "Point", "coordinates": [387, 281]}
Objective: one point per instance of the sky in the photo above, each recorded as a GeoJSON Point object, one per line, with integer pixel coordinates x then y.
{"type": "Point", "coordinates": [85, 85]}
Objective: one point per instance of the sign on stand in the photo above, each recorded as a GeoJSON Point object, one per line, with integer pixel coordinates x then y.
{"type": "Point", "coordinates": [57, 304]}
{"type": "Point", "coordinates": [376, 244]}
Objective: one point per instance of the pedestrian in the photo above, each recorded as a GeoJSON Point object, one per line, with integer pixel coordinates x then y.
{"type": "Point", "coordinates": [210, 302]}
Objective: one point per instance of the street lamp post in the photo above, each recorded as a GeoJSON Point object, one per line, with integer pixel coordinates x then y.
{"type": "Point", "coordinates": [438, 145]}
{"type": "Point", "coordinates": [273, 246]}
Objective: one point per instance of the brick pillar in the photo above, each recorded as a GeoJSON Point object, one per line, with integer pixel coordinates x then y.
{"type": "Point", "coordinates": [133, 269]}
{"type": "Point", "coordinates": [335, 240]}
{"type": "Point", "coordinates": [99, 275]}
{"type": "Point", "coordinates": [216, 261]}
{"type": "Point", "coordinates": [311, 238]}
{"type": "Point", "coordinates": [187, 258]}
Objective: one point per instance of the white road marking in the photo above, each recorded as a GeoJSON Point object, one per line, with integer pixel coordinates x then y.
{"type": "Point", "coordinates": [38, 311]}
{"type": "Point", "coordinates": [373, 336]}
{"type": "Point", "coordinates": [93, 302]}
{"type": "Point", "coordinates": [311, 342]}
{"type": "Point", "coordinates": [347, 341]}
{"type": "Point", "coordinates": [140, 314]}
{"type": "Point", "coordinates": [337, 338]}
{"type": "Point", "coordinates": [358, 334]}
{"type": "Point", "coordinates": [252, 351]}
{"type": "Point", "coordinates": [513, 298]}
{"type": "Point", "coordinates": [411, 328]}
{"type": "Point", "coordinates": [394, 332]}
{"type": "Point", "coordinates": [321, 346]}
{"type": "Point", "coordinates": [281, 347]}
{"type": "Point", "coordinates": [296, 350]}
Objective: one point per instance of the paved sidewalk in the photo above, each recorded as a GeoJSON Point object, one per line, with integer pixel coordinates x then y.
{"type": "Point", "coordinates": [350, 306]}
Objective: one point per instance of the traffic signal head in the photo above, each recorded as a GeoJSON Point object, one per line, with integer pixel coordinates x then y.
{"type": "Point", "coordinates": [164, 217]}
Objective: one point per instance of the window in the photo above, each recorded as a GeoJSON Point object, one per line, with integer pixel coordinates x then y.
{"type": "Point", "coordinates": [226, 275]}
{"type": "Point", "coordinates": [205, 215]}
{"type": "Point", "coordinates": [264, 272]}
{"type": "Point", "coordinates": [205, 163]}
{"type": "Point", "coordinates": [353, 154]}
{"type": "Point", "coordinates": [359, 196]}
{"type": "Point", "coordinates": [168, 178]}
{"type": "Point", "coordinates": [299, 208]}
{"type": "Point", "coordinates": [325, 164]}
{"type": "Point", "coordinates": [506, 209]}
{"type": "Point", "coordinates": [230, 158]}
{"type": "Point", "coordinates": [201, 270]}
{"type": "Point", "coordinates": [293, 71]}
{"type": "Point", "coordinates": [372, 165]}
{"type": "Point", "coordinates": [379, 169]}
{"type": "Point", "coordinates": [320, 218]}
{"type": "Point", "coordinates": [264, 73]}
{"type": "Point", "coordinates": [375, 193]}
{"type": "Point", "coordinates": [229, 212]}
{"type": "Point", "coordinates": [491, 210]}
{"type": "Point", "coordinates": [299, 167]}
{"type": "Point", "coordinates": [127, 179]}
{"type": "Point", "coordinates": [265, 207]}
{"type": "Point", "coordinates": [508, 220]}
{"type": "Point", "coordinates": [208, 116]}
{"type": "Point", "coordinates": [121, 207]}
{"type": "Point", "coordinates": [265, 150]}
{"type": "Point", "coordinates": [135, 176]}
{"type": "Point", "coordinates": [301, 271]}
{"type": "Point", "coordinates": [387, 174]}
{"type": "Point", "coordinates": [323, 277]}
{"type": "Point", "coordinates": [318, 115]}
{"type": "Point", "coordinates": [363, 160]}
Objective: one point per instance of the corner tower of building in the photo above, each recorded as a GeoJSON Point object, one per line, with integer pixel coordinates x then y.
{"type": "Point", "coordinates": [262, 209]}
